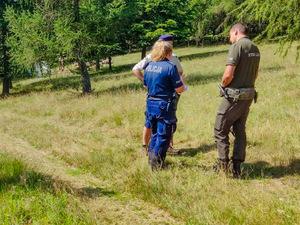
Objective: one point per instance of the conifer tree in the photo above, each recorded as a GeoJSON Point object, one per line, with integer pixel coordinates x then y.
{"type": "Point", "coordinates": [281, 19]}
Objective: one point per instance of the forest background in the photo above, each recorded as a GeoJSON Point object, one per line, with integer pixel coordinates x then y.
{"type": "Point", "coordinates": [41, 31]}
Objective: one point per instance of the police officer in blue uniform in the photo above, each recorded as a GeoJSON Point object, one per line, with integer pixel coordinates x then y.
{"type": "Point", "coordinates": [137, 71]}
{"type": "Point", "coordinates": [162, 81]}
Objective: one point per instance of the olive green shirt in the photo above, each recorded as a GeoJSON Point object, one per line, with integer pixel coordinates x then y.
{"type": "Point", "coordinates": [245, 55]}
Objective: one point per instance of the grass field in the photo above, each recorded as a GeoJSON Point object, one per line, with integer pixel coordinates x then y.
{"type": "Point", "coordinates": [82, 152]}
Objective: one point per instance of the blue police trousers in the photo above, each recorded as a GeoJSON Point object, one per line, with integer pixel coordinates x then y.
{"type": "Point", "coordinates": [160, 139]}
{"type": "Point", "coordinates": [163, 125]}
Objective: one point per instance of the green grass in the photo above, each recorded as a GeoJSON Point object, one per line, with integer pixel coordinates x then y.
{"type": "Point", "coordinates": [29, 197]}
{"type": "Point", "coordinates": [99, 136]}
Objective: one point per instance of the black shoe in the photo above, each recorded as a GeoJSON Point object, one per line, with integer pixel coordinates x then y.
{"type": "Point", "coordinates": [156, 162]}
{"type": "Point", "coordinates": [153, 161]}
{"type": "Point", "coordinates": [221, 165]}
{"type": "Point", "coordinates": [235, 169]}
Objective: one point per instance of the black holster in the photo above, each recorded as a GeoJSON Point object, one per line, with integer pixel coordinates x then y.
{"type": "Point", "coordinates": [255, 96]}
{"type": "Point", "coordinates": [174, 101]}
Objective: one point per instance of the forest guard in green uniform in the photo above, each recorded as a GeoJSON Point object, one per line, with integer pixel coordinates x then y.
{"type": "Point", "coordinates": [238, 82]}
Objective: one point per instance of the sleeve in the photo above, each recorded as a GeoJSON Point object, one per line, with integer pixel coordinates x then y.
{"type": "Point", "coordinates": [175, 78]}
{"type": "Point", "coordinates": [141, 65]}
{"type": "Point", "coordinates": [176, 61]}
{"type": "Point", "coordinates": [234, 55]}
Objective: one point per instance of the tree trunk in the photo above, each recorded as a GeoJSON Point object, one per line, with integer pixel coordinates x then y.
{"type": "Point", "coordinates": [5, 90]}
{"type": "Point", "coordinates": [130, 47]}
{"type": "Point", "coordinates": [97, 64]}
{"type": "Point", "coordinates": [144, 52]}
{"type": "Point", "coordinates": [6, 78]}
{"type": "Point", "coordinates": [10, 83]}
{"type": "Point", "coordinates": [85, 77]}
{"type": "Point", "coordinates": [109, 62]}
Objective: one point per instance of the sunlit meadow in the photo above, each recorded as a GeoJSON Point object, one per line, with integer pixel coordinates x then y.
{"type": "Point", "coordinates": [95, 141]}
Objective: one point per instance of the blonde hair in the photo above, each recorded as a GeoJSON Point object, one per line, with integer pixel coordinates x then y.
{"type": "Point", "coordinates": [160, 50]}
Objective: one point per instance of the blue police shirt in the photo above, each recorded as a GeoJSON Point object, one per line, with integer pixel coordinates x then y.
{"type": "Point", "coordinates": [162, 78]}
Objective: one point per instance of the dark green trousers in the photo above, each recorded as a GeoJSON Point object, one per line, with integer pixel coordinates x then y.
{"type": "Point", "coordinates": [232, 117]}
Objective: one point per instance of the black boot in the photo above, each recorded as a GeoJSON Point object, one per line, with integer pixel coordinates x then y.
{"type": "Point", "coordinates": [221, 165]}
{"type": "Point", "coordinates": [235, 168]}
{"type": "Point", "coordinates": [156, 162]}
{"type": "Point", "coordinates": [161, 162]}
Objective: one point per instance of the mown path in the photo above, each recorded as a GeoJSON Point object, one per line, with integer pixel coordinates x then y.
{"type": "Point", "coordinates": [103, 203]}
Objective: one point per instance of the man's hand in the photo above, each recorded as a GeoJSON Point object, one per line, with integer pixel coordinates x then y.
{"type": "Point", "coordinates": [228, 75]}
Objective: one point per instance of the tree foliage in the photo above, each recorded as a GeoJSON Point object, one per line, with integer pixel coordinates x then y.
{"type": "Point", "coordinates": [88, 30]}
{"type": "Point", "coordinates": [157, 17]}
{"type": "Point", "coordinates": [7, 69]}
{"type": "Point", "coordinates": [282, 19]}
{"type": "Point", "coordinates": [213, 20]}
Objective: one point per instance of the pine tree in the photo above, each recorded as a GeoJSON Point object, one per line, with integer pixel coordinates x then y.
{"type": "Point", "coordinates": [282, 19]}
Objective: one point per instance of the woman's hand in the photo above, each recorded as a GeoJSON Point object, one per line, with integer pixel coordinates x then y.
{"type": "Point", "coordinates": [183, 79]}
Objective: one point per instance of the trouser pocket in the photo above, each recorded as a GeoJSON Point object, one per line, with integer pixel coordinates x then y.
{"type": "Point", "coordinates": [222, 113]}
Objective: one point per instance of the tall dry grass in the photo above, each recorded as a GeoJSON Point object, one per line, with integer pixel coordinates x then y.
{"type": "Point", "coordinates": [101, 134]}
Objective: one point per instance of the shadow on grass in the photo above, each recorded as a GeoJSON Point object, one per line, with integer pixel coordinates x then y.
{"type": "Point", "coordinates": [27, 179]}
{"type": "Point", "coordinates": [185, 165]}
{"type": "Point", "coordinates": [37, 181]}
{"type": "Point", "coordinates": [121, 88]}
{"type": "Point", "coordinates": [191, 152]}
{"type": "Point", "coordinates": [262, 169]}
{"type": "Point", "coordinates": [71, 81]}
{"type": "Point", "coordinates": [74, 81]}
{"type": "Point", "coordinates": [92, 192]}
{"type": "Point", "coordinates": [201, 55]}
{"type": "Point", "coordinates": [115, 70]}
{"type": "Point", "coordinates": [54, 84]}
{"type": "Point", "coordinates": [14, 173]}
{"type": "Point", "coordinates": [193, 79]}
{"type": "Point", "coordinates": [199, 79]}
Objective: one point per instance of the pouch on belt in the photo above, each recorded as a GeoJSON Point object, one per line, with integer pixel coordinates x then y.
{"type": "Point", "coordinates": [240, 93]}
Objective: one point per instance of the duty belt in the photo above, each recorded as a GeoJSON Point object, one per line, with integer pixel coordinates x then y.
{"type": "Point", "coordinates": [172, 102]}
{"type": "Point", "coordinates": [240, 93]}
{"type": "Point", "coordinates": [167, 99]}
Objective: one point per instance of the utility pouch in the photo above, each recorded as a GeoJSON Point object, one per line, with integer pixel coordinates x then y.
{"type": "Point", "coordinates": [240, 93]}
